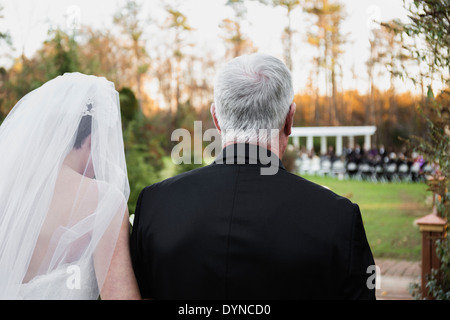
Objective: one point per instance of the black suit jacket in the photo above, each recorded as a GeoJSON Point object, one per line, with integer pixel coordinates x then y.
{"type": "Point", "coordinates": [225, 231]}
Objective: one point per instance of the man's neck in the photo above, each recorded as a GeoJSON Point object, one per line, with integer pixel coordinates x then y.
{"type": "Point", "coordinates": [275, 149]}
{"type": "Point", "coordinates": [250, 153]}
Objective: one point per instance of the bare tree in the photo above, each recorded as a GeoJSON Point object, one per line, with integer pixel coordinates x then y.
{"type": "Point", "coordinates": [236, 42]}
{"type": "Point", "coordinates": [128, 18]}
{"type": "Point", "coordinates": [387, 53]}
{"type": "Point", "coordinates": [327, 38]}
{"type": "Point", "coordinates": [178, 23]}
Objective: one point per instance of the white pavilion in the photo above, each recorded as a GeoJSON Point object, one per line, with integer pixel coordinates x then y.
{"type": "Point", "coordinates": [338, 132]}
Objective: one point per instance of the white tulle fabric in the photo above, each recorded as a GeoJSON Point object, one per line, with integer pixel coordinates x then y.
{"type": "Point", "coordinates": [58, 231]}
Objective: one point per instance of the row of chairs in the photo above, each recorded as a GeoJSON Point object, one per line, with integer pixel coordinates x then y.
{"type": "Point", "coordinates": [316, 166]}
{"type": "Point", "coordinates": [389, 172]}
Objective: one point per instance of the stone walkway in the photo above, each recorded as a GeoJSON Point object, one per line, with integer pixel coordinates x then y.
{"type": "Point", "coordinates": [396, 275]}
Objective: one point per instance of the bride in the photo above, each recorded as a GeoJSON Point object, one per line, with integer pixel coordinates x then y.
{"type": "Point", "coordinates": [63, 194]}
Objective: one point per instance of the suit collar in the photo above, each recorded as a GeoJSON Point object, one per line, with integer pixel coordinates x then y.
{"type": "Point", "coordinates": [244, 153]}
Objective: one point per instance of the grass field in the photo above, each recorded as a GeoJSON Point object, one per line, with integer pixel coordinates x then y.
{"type": "Point", "coordinates": [388, 211]}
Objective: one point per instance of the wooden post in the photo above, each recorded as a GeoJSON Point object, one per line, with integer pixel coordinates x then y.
{"type": "Point", "coordinates": [432, 228]}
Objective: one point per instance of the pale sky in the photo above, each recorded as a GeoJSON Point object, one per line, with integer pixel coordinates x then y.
{"type": "Point", "coordinates": [28, 22]}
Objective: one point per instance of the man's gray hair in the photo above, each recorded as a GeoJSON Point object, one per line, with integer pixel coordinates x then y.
{"type": "Point", "coordinates": [251, 93]}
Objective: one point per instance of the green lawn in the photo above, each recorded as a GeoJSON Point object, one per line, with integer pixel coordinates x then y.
{"type": "Point", "coordinates": [388, 211]}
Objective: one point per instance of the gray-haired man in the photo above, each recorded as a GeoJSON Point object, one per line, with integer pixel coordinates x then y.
{"type": "Point", "coordinates": [231, 230]}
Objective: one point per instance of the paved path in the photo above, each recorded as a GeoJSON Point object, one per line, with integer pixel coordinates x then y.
{"type": "Point", "coordinates": [396, 275]}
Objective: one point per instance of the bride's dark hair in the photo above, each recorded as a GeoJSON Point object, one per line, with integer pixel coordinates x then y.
{"type": "Point", "coordinates": [84, 130]}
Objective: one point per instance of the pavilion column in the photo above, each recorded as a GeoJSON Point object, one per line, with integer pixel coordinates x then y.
{"type": "Point", "coordinates": [323, 145]}
{"type": "Point", "coordinates": [338, 146]}
{"type": "Point", "coordinates": [309, 143]}
{"type": "Point", "coordinates": [351, 142]}
{"type": "Point", "coordinates": [296, 141]}
{"type": "Point", "coordinates": [367, 143]}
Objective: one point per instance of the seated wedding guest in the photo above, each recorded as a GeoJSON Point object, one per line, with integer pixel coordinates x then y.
{"type": "Point", "coordinates": [244, 227]}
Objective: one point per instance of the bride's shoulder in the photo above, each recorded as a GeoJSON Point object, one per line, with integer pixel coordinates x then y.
{"type": "Point", "coordinates": [105, 188]}
{"type": "Point", "coordinates": [70, 182]}
{"type": "Point", "coordinates": [87, 190]}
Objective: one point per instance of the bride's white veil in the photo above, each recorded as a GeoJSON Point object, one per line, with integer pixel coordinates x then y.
{"type": "Point", "coordinates": [61, 206]}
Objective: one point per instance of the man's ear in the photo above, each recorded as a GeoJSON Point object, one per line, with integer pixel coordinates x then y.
{"type": "Point", "coordinates": [289, 120]}
{"type": "Point", "coordinates": [213, 114]}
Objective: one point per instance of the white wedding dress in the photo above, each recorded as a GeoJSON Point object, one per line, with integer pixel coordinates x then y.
{"type": "Point", "coordinates": [63, 189]}
{"type": "Point", "coordinates": [56, 285]}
